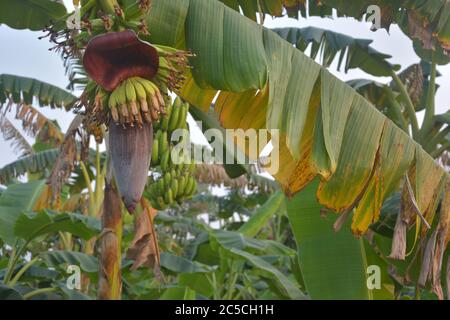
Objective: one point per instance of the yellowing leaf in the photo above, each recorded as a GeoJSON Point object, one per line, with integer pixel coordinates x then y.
{"type": "Point", "coordinates": [336, 100]}
{"type": "Point", "coordinates": [396, 154]}
{"type": "Point", "coordinates": [357, 157]}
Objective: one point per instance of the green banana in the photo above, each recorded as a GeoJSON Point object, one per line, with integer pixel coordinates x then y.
{"type": "Point", "coordinates": [183, 116]}
{"type": "Point", "coordinates": [168, 197]}
{"type": "Point", "coordinates": [174, 187]}
{"type": "Point", "coordinates": [173, 121]}
{"type": "Point", "coordinates": [163, 143]}
{"type": "Point", "coordinates": [141, 95]}
{"type": "Point", "coordinates": [165, 160]}
{"type": "Point", "coordinates": [167, 179]}
{"type": "Point", "coordinates": [165, 119]}
{"type": "Point", "coordinates": [162, 204]}
{"type": "Point", "coordinates": [155, 153]}
{"type": "Point", "coordinates": [131, 98]}
{"type": "Point", "coordinates": [160, 187]}
{"type": "Point", "coordinates": [182, 186]}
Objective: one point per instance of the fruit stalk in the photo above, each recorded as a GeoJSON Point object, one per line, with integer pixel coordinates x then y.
{"type": "Point", "coordinates": [110, 280]}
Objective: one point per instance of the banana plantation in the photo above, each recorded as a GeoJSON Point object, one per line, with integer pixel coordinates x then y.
{"type": "Point", "coordinates": [346, 195]}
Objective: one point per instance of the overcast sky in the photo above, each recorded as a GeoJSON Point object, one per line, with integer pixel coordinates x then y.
{"type": "Point", "coordinates": [23, 54]}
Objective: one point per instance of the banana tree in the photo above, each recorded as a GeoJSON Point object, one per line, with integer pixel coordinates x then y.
{"type": "Point", "coordinates": [328, 131]}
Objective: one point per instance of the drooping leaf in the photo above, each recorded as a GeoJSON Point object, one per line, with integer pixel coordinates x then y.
{"type": "Point", "coordinates": [15, 200]}
{"type": "Point", "coordinates": [56, 258]}
{"type": "Point", "coordinates": [262, 215]}
{"type": "Point", "coordinates": [357, 158]}
{"type": "Point", "coordinates": [31, 225]}
{"type": "Point", "coordinates": [8, 293]}
{"type": "Point", "coordinates": [26, 89]}
{"type": "Point", "coordinates": [18, 141]}
{"type": "Point", "coordinates": [290, 287]}
{"type": "Point", "coordinates": [36, 162]}
{"type": "Point", "coordinates": [182, 265]}
{"type": "Point", "coordinates": [396, 156]}
{"type": "Point", "coordinates": [327, 45]}
{"type": "Point", "coordinates": [294, 99]}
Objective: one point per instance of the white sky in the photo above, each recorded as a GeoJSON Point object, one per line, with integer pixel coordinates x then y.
{"type": "Point", "coordinates": [21, 53]}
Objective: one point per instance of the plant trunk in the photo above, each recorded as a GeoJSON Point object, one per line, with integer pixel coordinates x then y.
{"type": "Point", "coordinates": [110, 282]}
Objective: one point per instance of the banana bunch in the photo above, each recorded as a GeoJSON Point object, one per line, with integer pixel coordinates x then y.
{"type": "Point", "coordinates": [136, 100]}
{"type": "Point", "coordinates": [173, 66]}
{"type": "Point", "coordinates": [175, 181]}
{"type": "Point", "coordinates": [172, 187]}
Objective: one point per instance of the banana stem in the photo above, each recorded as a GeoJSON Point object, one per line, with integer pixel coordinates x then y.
{"type": "Point", "coordinates": [87, 179]}
{"type": "Point", "coordinates": [436, 139]}
{"type": "Point", "coordinates": [409, 106]}
{"type": "Point", "coordinates": [110, 281]}
{"type": "Point", "coordinates": [430, 108]}
{"type": "Point", "coordinates": [436, 153]}
{"type": "Point", "coordinates": [22, 271]}
{"type": "Point", "coordinates": [396, 108]}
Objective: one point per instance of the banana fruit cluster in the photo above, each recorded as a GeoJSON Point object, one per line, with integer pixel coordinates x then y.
{"type": "Point", "coordinates": [174, 180]}
{"type": "Point", "coordinates": [134, 101]}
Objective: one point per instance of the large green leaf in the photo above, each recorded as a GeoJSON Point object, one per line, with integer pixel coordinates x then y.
{"type": "Point", "coordinates": [56, 258]}
{"type": "Point", "coordinates": [26, 89]}
{"type": "Point", "coordinates": [291, 288]}
{"type": "Point", "coordinates": [15, 200]}
{"type": "Point", "coordinates": [327, 44]}
{"type": "Point", "coordinates": [31, 225]}
{"type": "Point", "coordinates": [234, 240]}
{"type": "Point", "coordinates": [300, 101]}
{"type": "Point", "coordinates": [182, 265]}
{"type": "Point", "coordinates": [333, 264]}
{"type": "Point", "coordinates": [8, 293]}
{"type": "Point", "coordinates": [30, 14]}
{"type": "Point", "coordinates": [219, 66]}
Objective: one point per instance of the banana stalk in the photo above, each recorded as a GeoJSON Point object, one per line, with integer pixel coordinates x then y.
{"type": "Point", "coordinates": [110, 282]}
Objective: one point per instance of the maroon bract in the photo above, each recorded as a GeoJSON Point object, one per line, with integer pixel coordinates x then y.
{"type": "Point", "coordinates": [116, 56]}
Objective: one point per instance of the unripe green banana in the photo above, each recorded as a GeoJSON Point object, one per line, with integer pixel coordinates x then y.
{"type": "Point", "coordinates": [155, 153]}
{"type": "Point", "coordinates": [165, 119]}
{"type": "Point", "coordinates": [173, 121]}
{"type": "Point", "coordinates": [167, 180]}
{"type": "Point", "coordinates": [165, 160]}
{"type": "Point", "coordinates": [163, 143]}
{"type": "Point", "coordinates": [183, 116]}
{"type": "Point", "coordinates": [174, 187]}
{"type": "Point", "coordinates": [192, 185]}
{"type": "Point", "coordinates": [160, 187]}
{"type": "Point", "coordinates": [141, 95]}
{"type": "Point", "coordinates": [182, 186]}
{"type": "Point", "coordinates": [162, 204]}
{"type": "Point", "coordinates": [168, 197]}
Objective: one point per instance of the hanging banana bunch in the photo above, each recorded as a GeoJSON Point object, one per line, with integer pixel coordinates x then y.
{"type": "Point", "coordinates": [173, 180]}
{"type": "Point", "coordinates": [131, 79]}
